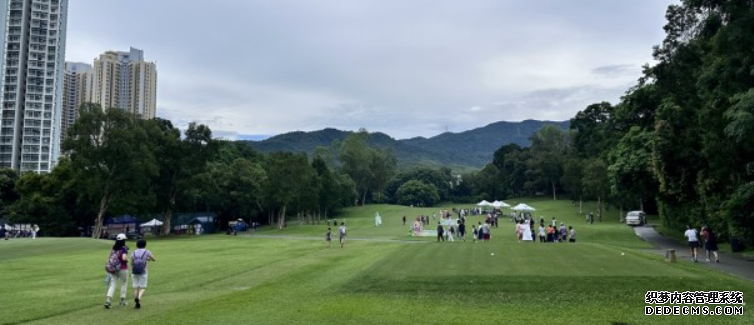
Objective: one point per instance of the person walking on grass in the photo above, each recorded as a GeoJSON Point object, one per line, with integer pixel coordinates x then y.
{"type": "Point", "coordinates": [486, 231]}
{"type": "Point", "coordinates": [328, 237]}
{"type": "Point", "coordinates": [139, 260]}
{"type": "Point", "coordinates": [474, 232]}
{"type": "Point", "coordinates": [526, 231]}
{"type": "Point", "coordinates": [693, 239]}
{"type": "Point", "coordinates": [440, 232]}
{"type": "Point", "coordinates": [542, 232]}
{"type": "Point", "coordinates": [572, 236]}
{"type": "Point", "coordinates": [710, 243]}
{"type": "Point", "coordinates": [342, 233]}
{"type": "Point", "coordinates": [118, 265]}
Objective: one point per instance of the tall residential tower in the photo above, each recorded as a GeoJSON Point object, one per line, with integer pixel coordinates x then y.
{"type": "Point", "coordinates": [124, 80]}
{"type": "Point", "coordinates": [33, 56]}
{"type": "Point", "coordinates": [77, 89]}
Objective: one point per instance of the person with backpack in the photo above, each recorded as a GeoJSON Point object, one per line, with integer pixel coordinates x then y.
{"type": "Point", "coordinates": [139, 260]}
{"type": "Point", "coordinates": [117, 267]}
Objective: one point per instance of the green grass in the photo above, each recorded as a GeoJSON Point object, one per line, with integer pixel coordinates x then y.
{"type": "Point", "coordinates": [381, 277]}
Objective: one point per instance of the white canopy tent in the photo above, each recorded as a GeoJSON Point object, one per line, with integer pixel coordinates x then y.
{"type": "Point", "coordinates": [152, 223]}
{"type": "Point", "coordinates": [500, 204]}
{"type": "Point", "coordinates": [484, 203]}
{"type": "Point", "coordinates": [523, 207]}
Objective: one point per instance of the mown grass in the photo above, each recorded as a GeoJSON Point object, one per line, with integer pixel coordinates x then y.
{"type": "Point", "coordinates": [379, 278]}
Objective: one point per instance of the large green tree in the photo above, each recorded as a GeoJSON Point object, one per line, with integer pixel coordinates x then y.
{"type": "Point", "coordinates": [289, 176]}
{"type": "Point", "coordinates": [356, 159]}
{"type": "Point", "coordinates": [418, 193]}
{"type": "Point", "coordinates": [549, 147]}
{"type": "Point", "coordinates": [50, 201]}
{"type": "Point", "coordinates": [112, 161]}
{"type": "Point", "coordinates": [178, 159]}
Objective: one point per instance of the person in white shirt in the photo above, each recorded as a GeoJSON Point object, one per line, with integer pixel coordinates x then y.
{"type": "Point", "coordinates": [526, 230]}
{"type": "Point", "coordinates": [342, 234]}
{"type": "Point", "coordinates": [693, 238]}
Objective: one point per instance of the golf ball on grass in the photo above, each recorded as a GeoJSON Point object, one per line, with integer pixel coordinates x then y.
{"type": "Point", "coordinates": [493, 254]}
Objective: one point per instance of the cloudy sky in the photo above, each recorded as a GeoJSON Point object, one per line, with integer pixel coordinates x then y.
{"type": "Point", "coordinates": [250, 68]}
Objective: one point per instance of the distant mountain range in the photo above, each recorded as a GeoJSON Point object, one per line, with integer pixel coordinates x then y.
{"type": "Point", "coordinates": [461, 151]}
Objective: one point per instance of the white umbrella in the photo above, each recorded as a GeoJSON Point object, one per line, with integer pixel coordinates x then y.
{"type": "Point", "coordinates": [523, 207]}
{"type": "Point", "coordinates": [152, 223]}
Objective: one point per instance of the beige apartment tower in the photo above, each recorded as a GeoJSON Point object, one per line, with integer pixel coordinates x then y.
{"type": "Point", "coordinates": [124, 80]}
{"type": "Point", "coordinates": [78, 82]}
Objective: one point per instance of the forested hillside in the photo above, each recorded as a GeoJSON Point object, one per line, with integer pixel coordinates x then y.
{"type": "Point", "coordinates": [466, 150]}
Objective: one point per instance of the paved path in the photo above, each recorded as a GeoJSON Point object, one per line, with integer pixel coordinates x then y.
{"type": "Point", "coordinates": [730, 263]}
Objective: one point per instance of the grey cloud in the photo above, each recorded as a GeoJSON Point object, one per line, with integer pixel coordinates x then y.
{"type": "Point", "coordinates": [617, 71]}
{"type": "Point", "coordinates": [405, 68]}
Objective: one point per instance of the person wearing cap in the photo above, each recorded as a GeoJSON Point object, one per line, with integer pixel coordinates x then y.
{"type": "Point", "coordinates": [122, 275]}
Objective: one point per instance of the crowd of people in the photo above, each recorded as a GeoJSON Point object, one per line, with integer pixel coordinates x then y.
{"type": "Point", "coordinates": [525, 227]}
{"type": "Point", "coordinates": [7, 233]}
{"type": "Point", "coordinates": [551, 233]}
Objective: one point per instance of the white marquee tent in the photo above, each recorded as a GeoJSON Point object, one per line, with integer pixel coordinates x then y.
{"type": "Point", "coordinates": [523, 207]}
{"type": "Point", "coordinates": [483, 203]}
{"type": "Point", "coordinates": [152, 223]}
{"type": "Point", "coordinates": [500, 204]}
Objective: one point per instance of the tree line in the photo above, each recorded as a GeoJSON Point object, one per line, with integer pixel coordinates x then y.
{"type": "Point", "coordinates": [116, 163]}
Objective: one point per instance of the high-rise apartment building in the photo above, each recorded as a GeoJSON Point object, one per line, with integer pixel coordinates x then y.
{"type": "Point", "coordinates": [77, 89]}
{"type": "Point", "coordinates": [124, 80]}
{"type": "Point", "coordinates": [33, 56]}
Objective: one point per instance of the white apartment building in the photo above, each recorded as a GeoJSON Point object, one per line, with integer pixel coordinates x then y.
{"type": "Point", "coordinates": [33, 55]}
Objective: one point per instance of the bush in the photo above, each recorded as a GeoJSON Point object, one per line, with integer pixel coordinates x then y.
{"type": "Point", "coordinates": [417, 193]}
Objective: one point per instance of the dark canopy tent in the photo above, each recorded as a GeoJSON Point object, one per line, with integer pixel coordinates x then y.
{"type": "Point", "coordinates": [207, 222]}
{"type": "Point", "coordinates": [121, 224]}
{"type": "Point", "coordinates": [122, 220]}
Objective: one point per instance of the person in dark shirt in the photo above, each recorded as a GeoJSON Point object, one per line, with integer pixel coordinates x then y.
{"type": "Point", "coordinates": [440, 233]}
{"type": "Point", "coordinates": [710, 243]}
